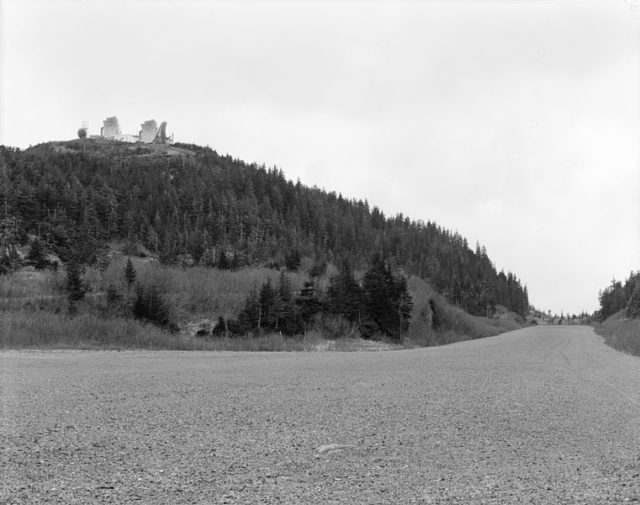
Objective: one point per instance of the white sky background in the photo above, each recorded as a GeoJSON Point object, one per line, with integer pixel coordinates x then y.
{"type": "Point", "coordinates": [515, 123]}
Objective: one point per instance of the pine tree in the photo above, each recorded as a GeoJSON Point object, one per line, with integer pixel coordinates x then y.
{"type": "Point", "coordinates": [151, 306]}
{"type": "Point", "coordinates": [404, 303]}
{"type": "Point", "coordinates": [345, 295]}
{"type": "Point", "coordinates": [308, 302]}
{"type": "Point", "coordinates": [378, 293]}
{"type": "Point", "coordinates": [267, 301]}
{"type": "Point", "coordinates": [74, 285]}
{"type": "Point", "coordinates": [289, 321]}
{"type": "Point", "coordinates": [36, 256]}
{"type": "Point", "coordinates": [249, 318]}
{"type": "Point", "coordinates": [292, 259]}
{"type": "Point", "coordinates": [633, 310]}
{"type": "Point", "coordinates": [223, 262]}
{"type": "Point", "coordinates": [387, 301]}
{"type": "Point", "coordinates": [129, 273]}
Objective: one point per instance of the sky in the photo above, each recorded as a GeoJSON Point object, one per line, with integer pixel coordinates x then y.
{"type": "Point", "coordinates": [515, 123]}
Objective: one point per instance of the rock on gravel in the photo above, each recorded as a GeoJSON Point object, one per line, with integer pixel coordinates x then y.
{"type": "Point", "coordinates": [540, 415]}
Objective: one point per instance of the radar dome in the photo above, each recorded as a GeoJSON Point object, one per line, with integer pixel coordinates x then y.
{"type": "Point", "coordinates": [82, 133]}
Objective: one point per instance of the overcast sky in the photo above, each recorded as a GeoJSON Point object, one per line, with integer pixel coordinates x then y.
{"type": "Point", "coordinates": [515, 123]}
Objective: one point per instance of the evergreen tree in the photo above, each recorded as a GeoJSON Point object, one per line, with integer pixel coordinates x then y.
{"type": "Point", "coordinates": [37, 256]}
{"type": "Point", "coordinates": [223, 262]}
{"type": "Point", "coordinates": [235, 262]}
{"type": "Point", "coordinates": [267, 301]}
{"type": "Point", "coordinates": [249, 318]}
{"type": "Point", "coordinates": [129, 273]}
{"type": "Point", "coordinates": [75, 286]}
{"type": "Point", "coordinates": [220, 328]}
{"type": "Point", "coordinates": [292, 259]}
{"type": "Point", "coordinates": [633, 310]}
{"type": "Point", "coordinates": [378, 293]}
{"type": "Point", "coordinates": [289, 321]}
{"type": "Point", "coordinates": [151, 306]}
{"type": "Point", "coordinates": [387, 301]}
{"type": "Point", "coordinates": [344, 295]}
{"type": "Point", "coordinates": [403, 302]}
{"type": "Point", "coordinates": [308, 302]}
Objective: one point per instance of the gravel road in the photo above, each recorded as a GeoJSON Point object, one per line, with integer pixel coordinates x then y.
{"type": "Point", "coordinates": [540, 415]}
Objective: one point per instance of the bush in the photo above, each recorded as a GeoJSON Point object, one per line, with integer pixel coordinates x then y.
{"type": "Point", "coordinates": [151, 306]}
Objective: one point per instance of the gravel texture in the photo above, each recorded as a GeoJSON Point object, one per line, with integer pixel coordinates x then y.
{"type": "Point", "coordinates": [540, 415]}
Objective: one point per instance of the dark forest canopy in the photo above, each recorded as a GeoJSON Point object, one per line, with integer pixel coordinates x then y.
{"type": "Point", "coordinates": [189, 204]}
{"type": "Point", "coordinates": [621, 295]}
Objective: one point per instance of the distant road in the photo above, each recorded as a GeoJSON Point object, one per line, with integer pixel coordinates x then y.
{"type": "Point", "coordinates": [540, 415]}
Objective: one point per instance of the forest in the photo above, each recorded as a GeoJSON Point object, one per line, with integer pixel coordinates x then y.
{"type": "Point", "coordinates": [619, 296]}
{"type": "Point", "coordinates": [201, 209]}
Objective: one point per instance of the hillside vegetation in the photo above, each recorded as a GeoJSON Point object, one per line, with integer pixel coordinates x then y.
{"type": "Point", "coordinates": [235, 247]}
{"type": "Point", "coordinates": [621, 333]}
{"type": "Point", "coordinates": [35, 311]}
{"type": "Point", "coordinates": [621, 296]}
{"type": "Point", "coordinates": [620, 314]}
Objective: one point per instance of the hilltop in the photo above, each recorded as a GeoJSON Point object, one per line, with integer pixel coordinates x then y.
{"type": "Point", "coordinates": [187, 206]}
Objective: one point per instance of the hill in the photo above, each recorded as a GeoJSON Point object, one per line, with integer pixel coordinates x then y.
{"type": "Point", "coordinates": [188, 205]}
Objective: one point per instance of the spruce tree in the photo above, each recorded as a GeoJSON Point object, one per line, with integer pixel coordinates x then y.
{"type": "Point", "coordinates": [345, 295]}
{"type": "Point", "coordinates": [223, 262]}
{"type": "Point", "coordinates": [308, 302]}
{"type": "Point", "coordinates": [289, 321]}
{"type": "Point", "coordinates": [151, 306]}
{"type": "Point", "coordinates": [129, 273]}
{"type": "Point", "coordinates": [633, 310]}
{"type": "Point", "coordinates": [249, 318]}
{"type": "Point", "coordinates": [378, 293]}
{"type": "Point", "coordinates": [37, 256]}
{"type": "Point", "coordinates": [74, 285]}
{"type": "Point", "coordinates": [267, 301]}
{"type": "Point", "coordinates": [387, 301]}
{"type": "Point", "coordinates": [403, 302]}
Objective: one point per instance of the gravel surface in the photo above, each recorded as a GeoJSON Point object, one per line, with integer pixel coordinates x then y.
{"type": "Point", "coordinates": [540, 415]}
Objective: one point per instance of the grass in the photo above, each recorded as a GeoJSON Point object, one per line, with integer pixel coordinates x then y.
{"type": "Point", "coordinates": [456, 324]}
{"type": "Point", "coordinates": [28, 283]}
{"type": "Point", "coordinates": [621, 333]}
{"type": "Point", "coordinates": [40, 329]}
{"type": "Point", "coordinates": [34, 312]}
{"type": "Point", "coordinates": [197, 291]}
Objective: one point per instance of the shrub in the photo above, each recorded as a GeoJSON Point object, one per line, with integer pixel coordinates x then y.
{"type": "Point", "coordinates": [151, 306]}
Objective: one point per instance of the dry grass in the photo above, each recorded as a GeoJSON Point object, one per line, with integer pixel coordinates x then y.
{"type": "Point", "coordinates": [40, 329]}
{"type": "Point", "coordinates": [34, 310]}
{"type": "Point", "coordinates": [198, 291]}
{"type": "Point", "coordinates": [31, 284]}
{"type": "Point", "coordinates": [456, 324]}
{"type": "Point", "coordinates": [621, 333]}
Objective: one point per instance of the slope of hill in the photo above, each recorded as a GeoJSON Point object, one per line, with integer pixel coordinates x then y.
{"type": "Point", "coordinates": [191, 206]}
{"type": "Point", "coordinates": [619, 314]}
{"type": "Point", "coordinates": [621, 332]}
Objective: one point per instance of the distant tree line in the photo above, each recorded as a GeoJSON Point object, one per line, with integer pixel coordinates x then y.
{"type": "Point", "coordinates": [621, 295]}
{"type": "Point", "coordinates": [217, 211]}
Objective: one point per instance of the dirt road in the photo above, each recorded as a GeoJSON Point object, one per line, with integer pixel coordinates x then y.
{"type": "Point", "coordinates": [541, 415]}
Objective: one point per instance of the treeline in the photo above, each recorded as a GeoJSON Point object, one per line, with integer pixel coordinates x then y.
{"type": "Point", "coordinates": [621, 295]}
{"type": "Point", "coordinates": [214, 210]}
{"type": "Point", "coordinates": [378, 305]}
